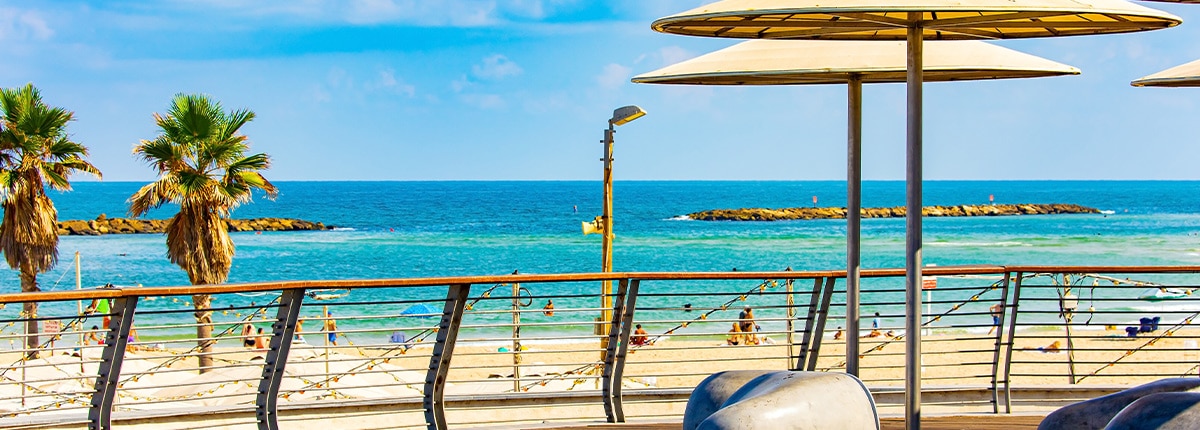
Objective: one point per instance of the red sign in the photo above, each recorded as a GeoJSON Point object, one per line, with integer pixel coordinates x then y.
{"type": "Point", "coordinates": [51, 326]}
{"type": "Point", "coordinates": [928, 282]}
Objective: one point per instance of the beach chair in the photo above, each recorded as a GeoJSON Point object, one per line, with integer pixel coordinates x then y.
{"type": "Point", "coordinates": [1146, 325]}
{"type": "Point", "coordinates": [1131, 331]}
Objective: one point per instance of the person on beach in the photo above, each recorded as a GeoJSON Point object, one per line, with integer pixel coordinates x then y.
{"type": "Point", "coordinates": [1052, 348]}
{"type": "Point", "coordinates": [639, 337]}
{"type": "Point", "coordinates": [873, 333]}
{"type": "Point", "coordinates": [92, 337]}
{"type": "Point", "coordinates": [260, 342]}
{"type": "Point", "coordinates": [299, 336]}
{"type": "Point", "coordinates": [837, 335]}
{"type": "Point", "coordinates": [129, 341]}
{"type": "Point", "coordinates": [549, 308]}
{"type": "Point", "coordinates": [735, 335]}
{"type": "Point", "coordinates": [248, 335]}
{"type": "Point", "coordinates": [101, 306]}
{"type": "Point", "coordinates": [746, 321]}
{"type": "Point", "coordinates": [996, 311]}
{"type": "Point", "coordinates": [330, 327]}
{"type": "Point", "coordinates": [875, 322]}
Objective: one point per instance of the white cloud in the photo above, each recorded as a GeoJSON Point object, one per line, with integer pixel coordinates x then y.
{"type": "Point", "coordinates": [460, 84]}
{"type": "Point", "coordinates": [320, 95]}
{"type": "Point", "coordinates": [674, 54]}
{"type": "Point", "coordinates": [484, 101]}
{"type": "Point", "coordinates": [23, 25]}
{"type": "Point", "coordinates": [454, 13]}
{"type": "Point", "coordinates": [614, 76]}
{"type": "Point", "coordinates": [338, 78]}
{"type": "Point", "coordinates": [388, 80]}
{"type": "Point", "coordinates": [496, 67]}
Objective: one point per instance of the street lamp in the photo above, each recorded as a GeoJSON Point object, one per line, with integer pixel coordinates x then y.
{"type": "Point", "coordinates": [604, 223]}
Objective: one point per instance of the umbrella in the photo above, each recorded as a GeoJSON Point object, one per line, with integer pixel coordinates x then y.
{"type": "Point", "coordinates": [804, 62]}
{"type": "Point", "coordinates": [914, 21]}
{"type": "Point", "coordinates": [1185, 75]}
{"type": "Point", "coordinates": [421, 310]}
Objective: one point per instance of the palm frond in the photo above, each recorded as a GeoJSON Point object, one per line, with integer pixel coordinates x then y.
{"type": "Point", "coordinates": [153, 195]}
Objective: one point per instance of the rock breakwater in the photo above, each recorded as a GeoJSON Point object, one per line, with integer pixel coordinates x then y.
{"type": "Point", "coordinates": [104, 225]}
{"type": "Point", "coordinates": [762, 214]}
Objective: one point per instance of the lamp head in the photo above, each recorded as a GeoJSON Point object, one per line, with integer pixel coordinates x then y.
{"type": "Point", "coordinates": [623, 115]}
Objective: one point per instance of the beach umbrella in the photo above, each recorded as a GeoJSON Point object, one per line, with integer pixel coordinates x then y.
{"type": "Point", "coordinates": [1185, 75]}
{"type": "Point", "coordinates": [421, 310]}
{"type": "Point", "coordinates": [808, 62]}
{"type": "Point", "coordinates": [913, 21]}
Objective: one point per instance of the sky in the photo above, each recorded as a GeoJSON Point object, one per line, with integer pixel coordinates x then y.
{"type": "Point", "coordinates": [522, 90]}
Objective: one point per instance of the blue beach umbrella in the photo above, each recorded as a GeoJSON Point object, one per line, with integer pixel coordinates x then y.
{"type": "Point", "coordinates": [420, 310]}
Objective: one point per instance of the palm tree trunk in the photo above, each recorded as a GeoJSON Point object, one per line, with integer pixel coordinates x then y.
{"type": "Point", "coordinates": [29, 285]}
{"type": "Point", "coordinates": [203, 305]}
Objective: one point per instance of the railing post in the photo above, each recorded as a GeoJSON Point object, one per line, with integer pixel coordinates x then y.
{"type": "Point", "coordinates": [999, 341]}
{"type": "Point", "coordinates": [802, 360]}
{"type": "Point", "coordinates": [109, 370]}
{"type": "Point", "coordinates": [443, 350]}
{"type": "Point", "coordinates": [790, 326]}
{"type": "Point", "coordinates": [1068, 316]}
{"type": "Point", "coordinates": [618, 348]}
{"type": "Point", "coordinates": [1012, 333]}
{"type": "Point", "coordinates": [516, 335]}
{"type": "Point", "coordinates": [282, 331]}
{"type": "Point", "coordinates": [814, 352]}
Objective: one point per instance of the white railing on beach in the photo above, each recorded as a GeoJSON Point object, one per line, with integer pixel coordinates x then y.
{"type": "Point", "coordinates": [452, 352]}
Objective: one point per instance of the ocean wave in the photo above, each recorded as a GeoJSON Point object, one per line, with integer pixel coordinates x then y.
{"type": "Point", "coordinates": [679, 218]}
{"type": "Point", "coordinates": [1107, 212]}
{"type": "Point", "coordinates": [343, 229]}
{"type": "Point", "coordinates": [979, 244]}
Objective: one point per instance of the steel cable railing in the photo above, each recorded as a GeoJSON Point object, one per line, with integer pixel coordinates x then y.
{"type": "Point", "coordinates": [501, 346]}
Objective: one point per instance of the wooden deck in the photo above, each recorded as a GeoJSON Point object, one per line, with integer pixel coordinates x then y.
{"type": "Point", "coordinates": [972, 422]}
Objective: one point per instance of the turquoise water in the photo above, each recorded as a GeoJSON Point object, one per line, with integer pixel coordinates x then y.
{"type": "Point", "coordinates": [418, 229]}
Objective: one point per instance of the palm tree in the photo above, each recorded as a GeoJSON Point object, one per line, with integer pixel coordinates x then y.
{"type": "Point", "coordinates": [35, 151]}
{"type": "Point", "coordinates": [202, 166]}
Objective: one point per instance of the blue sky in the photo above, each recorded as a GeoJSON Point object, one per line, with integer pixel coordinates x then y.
{"type": "Point", "coordinates": [521, 89]}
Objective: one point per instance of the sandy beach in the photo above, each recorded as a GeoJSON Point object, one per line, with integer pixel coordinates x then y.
{"type": "Point", "coordinates": [161, 379]}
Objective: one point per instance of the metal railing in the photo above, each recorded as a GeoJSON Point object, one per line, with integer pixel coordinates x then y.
{"type": "Point", "coordinates": [441, 352]}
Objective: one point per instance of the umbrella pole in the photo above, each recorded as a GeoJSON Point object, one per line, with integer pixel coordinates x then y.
{"type": "Point", "coordinates": [853, 216]}
{"type": "Point", "coordinates": [912, 253]}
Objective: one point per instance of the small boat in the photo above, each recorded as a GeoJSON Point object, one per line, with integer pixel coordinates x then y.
{"type": "Point", "coordinates": [1157, 294]}
{"type": "Point", "coordinates": [327, 294]}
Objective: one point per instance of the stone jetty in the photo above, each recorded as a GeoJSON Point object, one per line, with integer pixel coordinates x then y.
{"type": "Point", "coordinates": [104, 225]}
{"type": "Point", "coordinates": [762, 214]}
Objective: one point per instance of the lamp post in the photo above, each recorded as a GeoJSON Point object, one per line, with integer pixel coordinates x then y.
{"type": "Point", "coordinates": [604, 223]}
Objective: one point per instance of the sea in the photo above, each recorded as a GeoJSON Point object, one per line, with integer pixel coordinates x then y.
{"type": "Point", "coordinates": [426, 229]}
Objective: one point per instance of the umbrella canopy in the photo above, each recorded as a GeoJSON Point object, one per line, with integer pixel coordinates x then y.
{"type": "Point", "coordinates": [803, 62]}
{"type": "Point", "coordinates": [1186, 75]}
{"type": "Point", "coordinates": [421, 310]}
{"type": "Point", "coordinates": [889, 19]}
